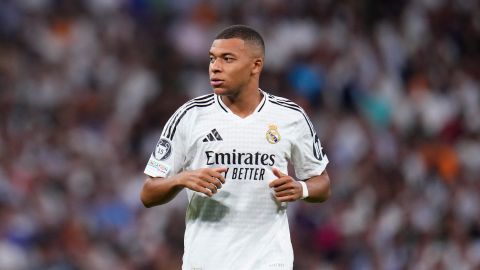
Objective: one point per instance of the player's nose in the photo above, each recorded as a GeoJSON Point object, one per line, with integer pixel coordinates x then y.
{"type": "Point", "coordinates": [215, 66]}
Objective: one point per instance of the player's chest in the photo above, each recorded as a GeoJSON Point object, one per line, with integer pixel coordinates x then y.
{"type": "Point", "coordinates": [266, 137]}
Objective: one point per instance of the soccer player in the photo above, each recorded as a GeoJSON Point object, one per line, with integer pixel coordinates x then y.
{"type": "Point", "coordinates": [230, 151]}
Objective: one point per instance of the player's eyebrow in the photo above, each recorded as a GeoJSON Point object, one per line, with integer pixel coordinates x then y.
{"type": "Point", "coordinates": [222, 54]}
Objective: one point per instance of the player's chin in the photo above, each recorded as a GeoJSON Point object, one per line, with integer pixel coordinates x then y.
{"type": "Point", "coordinates": [221, 91]}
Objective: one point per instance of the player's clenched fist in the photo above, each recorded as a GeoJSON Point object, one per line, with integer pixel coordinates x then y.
{"type": "Point", "coordinates": [206, 180]}
{"type": "Point", "coordinates": [285, 187]}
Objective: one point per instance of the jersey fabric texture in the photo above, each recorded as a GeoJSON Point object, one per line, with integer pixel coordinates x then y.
{"type": "Point", "coordinates": [242, 226]}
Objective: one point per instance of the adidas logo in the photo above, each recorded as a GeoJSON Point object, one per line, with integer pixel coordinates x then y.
{"type": "Point", "coordinates": [212, 136]}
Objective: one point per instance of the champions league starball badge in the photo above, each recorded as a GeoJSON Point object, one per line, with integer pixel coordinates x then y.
{"type": "Point", "coordinates": [273, 136]}
{"type": "Point", "coordinates": [162, 150]}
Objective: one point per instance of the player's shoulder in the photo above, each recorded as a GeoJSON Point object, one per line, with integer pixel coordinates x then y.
{"type": "Point", "coordinates": [194, 104]}
{"type": "Point", "coordinates": [187, 113]}
{"type": "Point", "coordinates": [200, 101]}
{"type": "Point", "coordinates": [290, 110]}
{"type": "Point", "coordinates": [286, 105]}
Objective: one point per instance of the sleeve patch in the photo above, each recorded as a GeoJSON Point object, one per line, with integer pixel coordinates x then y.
{"type": "Point", "coordinates": [163, 150]}
{"type": "Point", "coordinates": [161, 167]}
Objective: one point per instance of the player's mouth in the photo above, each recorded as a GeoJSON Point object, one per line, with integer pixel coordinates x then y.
{"type": "Point", "coordinates": [216, 82]}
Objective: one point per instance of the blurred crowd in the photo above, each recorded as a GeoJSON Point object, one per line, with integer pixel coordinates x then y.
{"type": "Point", "coordinates": [392, 87]}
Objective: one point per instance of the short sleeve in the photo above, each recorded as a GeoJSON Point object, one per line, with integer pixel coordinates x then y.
{"type": "Point", "coordinates": [308, 158]}
{"type": "Point", "coordinates": [168, 156]}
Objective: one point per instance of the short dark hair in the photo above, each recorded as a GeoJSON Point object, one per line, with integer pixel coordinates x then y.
{"type": "Point", "coordinates": [242, 32]}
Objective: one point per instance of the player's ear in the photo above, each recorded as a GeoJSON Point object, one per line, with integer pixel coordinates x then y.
{"type": "Point", "coordinates": [257, 65]}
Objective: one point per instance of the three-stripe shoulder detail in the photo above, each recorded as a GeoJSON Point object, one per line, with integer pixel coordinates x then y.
{"type": "Point", "coordinates": [286, 103]}
{"type": "Point", "coordinates": [171, 126]}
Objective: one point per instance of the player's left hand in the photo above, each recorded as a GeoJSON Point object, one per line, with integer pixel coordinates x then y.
{"type": "Point", "coordinates": [285, 187]}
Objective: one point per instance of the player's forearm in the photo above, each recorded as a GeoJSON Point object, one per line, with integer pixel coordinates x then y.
{"type": "Point", "coordinates": [158, 191]}
{"type": "Point", "coordinates": [318, 188]}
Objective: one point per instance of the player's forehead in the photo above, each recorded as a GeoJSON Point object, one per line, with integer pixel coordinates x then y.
{"type": "Point", "coordinates": [227, 46]}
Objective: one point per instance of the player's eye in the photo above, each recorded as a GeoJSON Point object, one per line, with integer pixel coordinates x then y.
{"type": "Point", "coordinates": [211, 59]}
{"type": "Point", "coordinates": [228, 59]}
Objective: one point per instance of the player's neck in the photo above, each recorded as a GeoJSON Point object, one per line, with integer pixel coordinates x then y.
{"type": "Point", "coordinates": [244, 103]}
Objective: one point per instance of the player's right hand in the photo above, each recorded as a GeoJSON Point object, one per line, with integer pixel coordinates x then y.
{"type": "Point", "coordinates": [205, 180]}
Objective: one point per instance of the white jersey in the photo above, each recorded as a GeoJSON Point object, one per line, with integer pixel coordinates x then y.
{"type": "Point", "coordinates": [242, 226]}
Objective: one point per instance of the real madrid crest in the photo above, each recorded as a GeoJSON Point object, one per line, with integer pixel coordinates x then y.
{"type": "Point", "coordinates": [273, 136]}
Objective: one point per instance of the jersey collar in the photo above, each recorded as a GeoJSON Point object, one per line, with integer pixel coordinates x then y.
{"type": "Point", "coordinates": [224, 107]}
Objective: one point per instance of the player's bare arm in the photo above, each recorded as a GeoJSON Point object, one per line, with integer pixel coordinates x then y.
{"type": "Point", "coordinates": [288, 189]}
{"type": "Point", "coordinates": [156, 191]}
